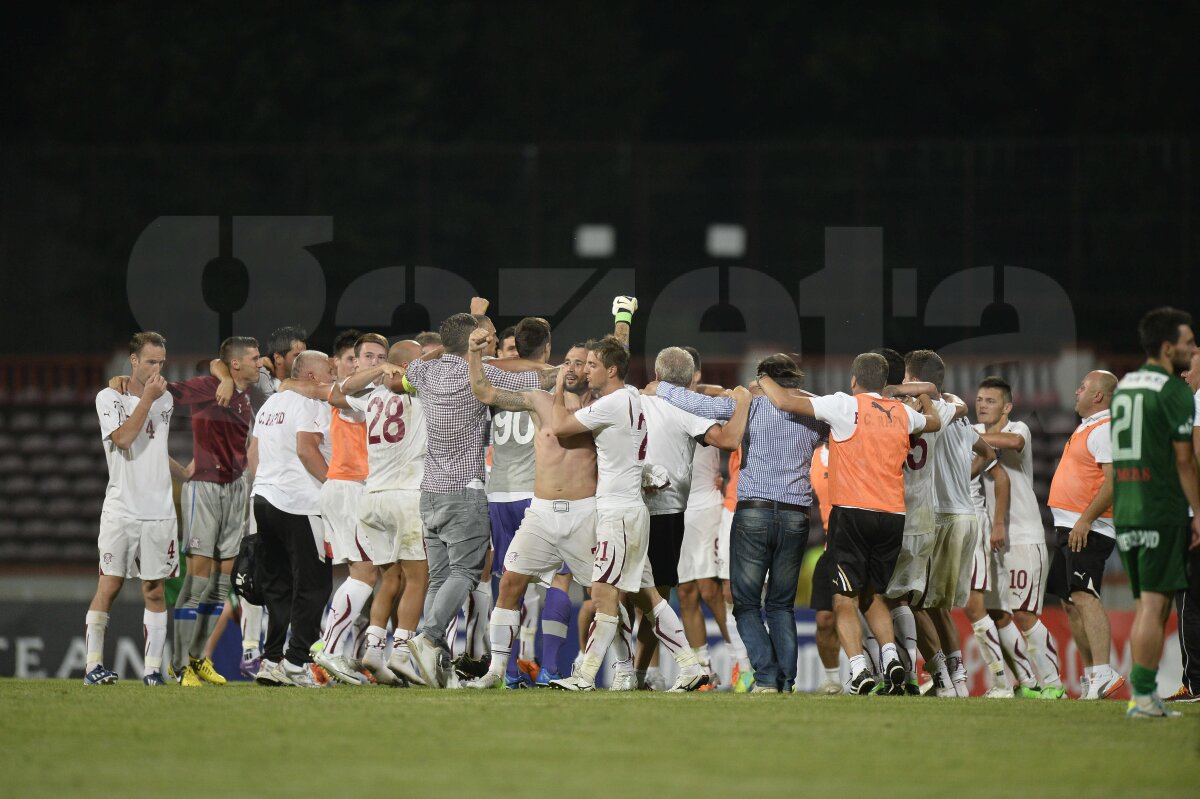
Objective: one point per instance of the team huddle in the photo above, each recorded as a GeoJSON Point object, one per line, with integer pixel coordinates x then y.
{"type": "Point", "coordinates": [426, 466]}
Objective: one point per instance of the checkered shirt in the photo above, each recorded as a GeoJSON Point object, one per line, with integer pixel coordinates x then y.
{"type": "Point", "coordinates": [456, 422]}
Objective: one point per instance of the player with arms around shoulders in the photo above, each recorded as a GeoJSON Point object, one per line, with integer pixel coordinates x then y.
{"type": "Point", "coordinates": [868, 443]}
{"type": "Point", "coordinates": [137, 522]}
{"type": "Point", "coordinates": [1155, 483]}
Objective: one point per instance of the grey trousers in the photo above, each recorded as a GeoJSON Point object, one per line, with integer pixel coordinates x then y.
{"type": "Point", "coordinates": [457, 533]}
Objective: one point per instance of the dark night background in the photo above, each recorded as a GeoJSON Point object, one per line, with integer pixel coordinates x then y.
{"type": "Point", "coordinates": [476, 136]}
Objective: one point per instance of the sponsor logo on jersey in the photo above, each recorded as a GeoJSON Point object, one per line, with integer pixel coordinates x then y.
{"type": "Point", "coordinates": [1128, 539]}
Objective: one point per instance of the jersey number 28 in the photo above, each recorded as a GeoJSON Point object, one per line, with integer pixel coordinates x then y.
{"type": "Point", "coordinates": [391, 414]}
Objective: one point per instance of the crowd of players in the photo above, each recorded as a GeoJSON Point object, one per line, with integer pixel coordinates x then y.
{"type": "Point", "coordinates": [376, 457]}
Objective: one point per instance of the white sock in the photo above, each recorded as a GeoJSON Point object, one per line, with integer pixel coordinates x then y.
{"type": "Point", "coordinates": [905, 625]}
{"type": "Point", "coordinates": [1014, 646]}
{"type": "Point", "coordinates": [604, 629]}
{"type": "Point", "coordinates": [737, 647]}
{"type": "Point", "coordinates": [937, 667]}
{"type": "Point", "coordinates": [347, 603]}
{"type": "Point", "coordinates": [479, 605]}
{"type": "Point", "coordinates": [954, 664]}
{"type": "Point", "coordinates": [870, 645]}
{"type": "Point", "coordinates": [622, 644]}
{"type": "Point", "coordinates": [1042, 653]}
{"type": "Point", "coordinates": [887, 653]}
{"type": "Point", "coordinates": [989, 643]}
{"type": "Point", "coordinates": [858, 664]}
{"type": "Point", "coordinates": [502, 631]}
{"type": "Point", "coordinates": [529, 623]}
{"type": "Point", "coordinates": [251, 626]}
{"type": "Point", "coordinates": [1087, 674]}
{"type": "Point", "coordinates": [95, 623]}
{"type": "Point", "coordinates": [833, 675]}
{"type": "Point", "coordinates": [669, 631]}
{"type": "Point", "coordinates": [155, 626]}
{"type": "Point", "coordinates": [373, 651]}
{"type": "Point", "coordinates": [703, 656]}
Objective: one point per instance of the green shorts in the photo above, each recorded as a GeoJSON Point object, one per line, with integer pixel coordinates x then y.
{"type": "Point", "coordinates": [1156, 560]}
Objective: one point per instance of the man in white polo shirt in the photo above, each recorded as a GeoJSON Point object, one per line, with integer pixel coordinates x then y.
{"type": "Point", "coordinates": [289, 456]}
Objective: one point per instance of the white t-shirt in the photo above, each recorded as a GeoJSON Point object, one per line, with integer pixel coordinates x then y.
{"type": "Point", "coordinates": [619, 428]}
{"type": "Point", "coordinates": [672, 437]}
{"type": "Point", "coordinates": [139, 478]}
{"type": "Point", "coordinates": [840, 412]}
{"type": "Point", "coordinates": [395, 439]}
{"type": "Point", "coordinates": [1099, 444]}
{"type": "Point", "coordinates": [1024, 523]}
{"type": "Point", "coordinates": [952, 456]}
{"type": "Point", "coordinates": [918, 486]}
{"type": "Point", "coordinates": [706, 467]}
{"type": "Point", "coordinates": [282, 479]}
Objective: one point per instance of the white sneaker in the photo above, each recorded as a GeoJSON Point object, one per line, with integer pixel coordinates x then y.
{"type": "Point", "coordinates": [425, 657]}
{"type": "Point", "coordinates": [689, 682]}
{"type": "Point", "coordinates": [299, 676]}
{"type": "Point", "coordinates": [654, 680]}
{"type": "Point", "coordinates": [830, 687]}
{"type": "Point", "coordinates": [573, 684]}
{"type": "Point", "coordinates": [1105, 686]}
{"type": "Point", "coordinates": [373, 662]}
{"type": "Point", "coordinates": [624, 681]}
{"type": "Point", "coordinates": [270, 674]}
{"type": "Point", "coordinates": [764, 689]}
{"type": "Point", "coordinates": [338, 667]}
{"type": "Point", "coordinates": [401, 663]}
{"type": "Point", "coordinates": [487, 681]}
{"type": "Point", "coordinates": [999, 692]}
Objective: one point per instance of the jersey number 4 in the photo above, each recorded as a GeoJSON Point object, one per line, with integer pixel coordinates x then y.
{"type": "Point", "coordinates": [391, 414]}
{"type": "Point", "coordinates": [1127, 427]}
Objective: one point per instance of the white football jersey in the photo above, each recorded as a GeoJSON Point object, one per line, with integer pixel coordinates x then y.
{"type": "Point", "coordinates": [282, 479]}
{"type": "Point", "coordinates": [395, 439]}
{"type": "Point", "coordinates": [1024, 524]}
{"type": "Point", "coordinates": [672, 437]}
{"type": "Point", "coordinates": [619, 428]}
{"type": "Point", "coordinates": [952, 457]}
{"type": "Point", "coordinates": [706, 468]}
{"type": "Point", "coordinates": [918, 486]}
{"type": "Point", "coordinates": [139, 478]}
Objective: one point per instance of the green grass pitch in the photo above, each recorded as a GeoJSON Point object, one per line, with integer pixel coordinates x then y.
{"type": "Point", "coordinates": [61, 739]}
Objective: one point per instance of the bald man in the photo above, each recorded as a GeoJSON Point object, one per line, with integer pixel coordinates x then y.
{"type": "Point", "coordinates": [1081, 500]}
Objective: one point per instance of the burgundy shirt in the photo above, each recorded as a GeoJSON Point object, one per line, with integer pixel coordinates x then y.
{"type": "Point", "coordinates": [219, 434]}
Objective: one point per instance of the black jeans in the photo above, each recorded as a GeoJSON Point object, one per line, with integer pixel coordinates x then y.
{"type": "Point", "coordinates": [1188, 604]}
{"type": "Point", "coordinates": [296, 581]}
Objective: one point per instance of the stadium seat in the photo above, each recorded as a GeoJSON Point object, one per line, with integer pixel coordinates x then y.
{"type": "Point", "coordinates": [11, 463]}
{"type": "Point", "coordinates": [73, 443]}
{"type": "Point", "coordinates": [34, 443]}
{"type": "Point", "coordinates": [28, 507]}
{"type": "Point", "coordinates": [59, 420]}
{"type": "Point", "coordinates": [60, 508]}
{"type": "Point", "coordinates": [44, 464]}
{"type": "Point", "coordinates": [19, 486]}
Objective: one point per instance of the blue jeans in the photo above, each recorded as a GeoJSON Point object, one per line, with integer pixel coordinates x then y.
{"type": "Point", "coordinates": [767, 541]}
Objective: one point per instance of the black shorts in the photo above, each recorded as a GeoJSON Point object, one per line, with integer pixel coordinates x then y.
{"type": "Point", "coordinates": [863, 547]}
{"type": "Point", "coordinates": [666, 542]}
{"type": "Point", "coordinates": [1077, 571]}
{"type": "Point", "coordinates": [822, 584]}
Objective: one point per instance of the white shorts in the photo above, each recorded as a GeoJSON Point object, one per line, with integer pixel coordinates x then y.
{"type": "Point", "coordinates": [339, 513]}
{"type": "Point", "coordinates": [391, 525]}
{"type": "Point", "coordinates": [554, 532]}
{"type": "Point", "coordinates": [215, 516]}
{"type": "Point", "coordinates": [701, 543]}
{"type": "Point", "coordinates": [953, 553]}
{"type": "Point", "coordinates": [623, 548]}
{"type": "Point", "coordinates": [723, 543]}
{"type": "Point", "coordinates": [911, 577]}
{"type": "Point", "coordinates": [1028, 567]}
{"type": "Point", "coordinates": [986, 574]}
{"type": "Point", "coordinates": [138, 548]}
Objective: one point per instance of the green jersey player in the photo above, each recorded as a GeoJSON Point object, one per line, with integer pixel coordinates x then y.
{"type": "Point", "coordinates": [1155, 469]}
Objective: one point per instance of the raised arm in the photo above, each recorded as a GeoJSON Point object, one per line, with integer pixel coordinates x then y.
{"type": "Point", "coordinates": [784, 400]}
{"type": "Point", "coordinates": [721, 407]}
{"type": "Point", "coordinates": [623, 309]}
{"type": "Point", "coordinates": [729, 436]}
{"type": "Point", "coordinates": [563, 422]}
{"type": "Point", "coordinates": [933, 421]}
{"type": "Point", "coordinates": [960, 407]}
{"type": "Point", "coordinates": [1013, 441]}
{"type": "Point", "coordinates": [483, 389]}
{"type": "Point", "coordinates": [124, 436]}
{"type": "Point", "coordinates": [358, 381]}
